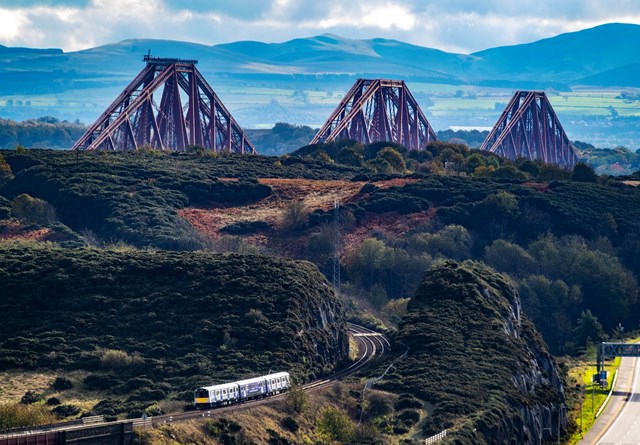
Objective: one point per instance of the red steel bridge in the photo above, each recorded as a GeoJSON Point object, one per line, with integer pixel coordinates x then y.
{"type": "Point", "coordinates": [378, 110]}
{"type": "Point", "coordinates": [529, 128]}
{"type": "Point", "coordinates": [135, 119]}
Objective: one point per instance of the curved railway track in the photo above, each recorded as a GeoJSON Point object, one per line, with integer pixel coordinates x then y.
{"type": "Point", "coordinates": [371, 344]}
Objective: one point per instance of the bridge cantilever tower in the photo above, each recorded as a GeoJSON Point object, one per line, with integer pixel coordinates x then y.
{"type": "Point", "coordinates": [135, 119]}
{"type": "Point", "coordinates": [529, 128]}
{"type": "Point", "coordinates": [378, 110]}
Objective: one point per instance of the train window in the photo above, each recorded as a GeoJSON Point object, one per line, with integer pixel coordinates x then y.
{"type": "Point", "coordinates": [201, 393]}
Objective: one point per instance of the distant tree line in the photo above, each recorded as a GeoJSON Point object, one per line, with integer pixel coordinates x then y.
{"type": "Point", "coordinates": [44, 132]}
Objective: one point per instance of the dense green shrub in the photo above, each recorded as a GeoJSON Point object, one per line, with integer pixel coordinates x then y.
{"type": "Point", "coordinates": [30, 397]}
{"type": "Point", "coordinates": [335, 425]}
{"type": "Point", "coordinates": [62, 383]}
{"type": "Point", "coordinates": [377, 406]}
{"type": "Point", "coordinates": [145, 395]}
{"type": "Point", "coordinates": [63, 411]}
{"type": "Point", "coordinates": [408, 417]}
{"type": "Point", "coordinates": [31, 210]}
{"type": "Point", "coordinates": [100, 382]}
{"type": "Point", "coordinates": [407, 401]}
{"type": "Point", "coordinates": [290, 424]}
{"type": "Point", "coordinates": [109, 407]}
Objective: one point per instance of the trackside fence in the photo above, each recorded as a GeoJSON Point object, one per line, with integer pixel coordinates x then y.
{"type": "Point", "coordinates": [437, 438]}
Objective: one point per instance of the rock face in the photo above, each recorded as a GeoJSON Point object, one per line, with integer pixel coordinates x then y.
{"type": "Point", "coordinates": [478, 359]}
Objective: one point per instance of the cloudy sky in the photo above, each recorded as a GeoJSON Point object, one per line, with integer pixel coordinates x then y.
{"type": "Point", "coordinates": [452, 25]}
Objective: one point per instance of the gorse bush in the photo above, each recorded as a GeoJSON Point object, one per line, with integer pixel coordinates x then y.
{"type": "Point", "coordinates": [32, 210]}
{"type": "Point", "coordinates": [61, 384]}
{"type": "Point", "coordinates": [63, 411]}
{"type": "Point", "coordinates": [115, 359]}
{"type": "Point", "coordinates": [335, 425]}
{"type": "Point", "coordinates": [30, 397]}
{"type": "Point", "coordinates": [15, 415]}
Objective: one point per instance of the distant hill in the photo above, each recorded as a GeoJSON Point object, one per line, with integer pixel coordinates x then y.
{"type": "Point", "coordinates": [301, 81]}
{"type": "Point", "coordinates": [624, 76]}
{"type": "Point", "coordinates": [567, 58]}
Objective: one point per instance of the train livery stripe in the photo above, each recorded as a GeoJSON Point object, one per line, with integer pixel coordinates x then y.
{"type": "Point", "coordinates": [202, 400]}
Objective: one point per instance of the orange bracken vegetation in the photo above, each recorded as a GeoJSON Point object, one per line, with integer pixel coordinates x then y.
{"type": "Point", "coordinates": [316, 194]}
{"type": "Point", "coordinates": [15, 231]}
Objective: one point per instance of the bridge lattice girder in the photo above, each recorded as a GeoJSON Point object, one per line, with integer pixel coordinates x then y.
{"type": "Point", "coordinates": [529, 128]}
{"type": "Point", "coordinates": [378, 110]}
{"type": "Point", "coordinates": [135, 119]}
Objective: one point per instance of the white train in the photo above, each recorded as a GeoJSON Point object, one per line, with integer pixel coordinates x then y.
{"type": "Point", "coordinates": [234, 392]}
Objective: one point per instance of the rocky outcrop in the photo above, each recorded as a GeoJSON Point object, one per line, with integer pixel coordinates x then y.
{"type": "Point", "coordinates": [478, 359]}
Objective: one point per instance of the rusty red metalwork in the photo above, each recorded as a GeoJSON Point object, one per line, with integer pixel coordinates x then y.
{"type": "Point", "coordinates": [41, 438]}
{"type": "Point", "coordinates": [135, 119]}
{"type": "Point", "coordinates": [378, 110]}
{"type": "Point", "coordinates": [529, 128]}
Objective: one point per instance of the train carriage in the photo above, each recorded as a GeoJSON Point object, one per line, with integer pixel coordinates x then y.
{"type": "Point", "coordinates": [233, 392]}
{"type": "Point", "coordinates": [277, 382]}
{"type": "Point", "coordinates": [215, 395]}
{"type": "Point", "coordinates": [252, 388]}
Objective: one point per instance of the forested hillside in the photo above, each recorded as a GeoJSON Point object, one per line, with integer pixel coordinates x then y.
{"type": "Point", "coordinates": [44, 132]}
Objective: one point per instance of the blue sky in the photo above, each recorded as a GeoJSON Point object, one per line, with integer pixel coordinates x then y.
{"type": "Point", "coordinates": [452, 25]}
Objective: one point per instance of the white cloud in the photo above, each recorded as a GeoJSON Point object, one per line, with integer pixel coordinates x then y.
{"type": "Point", "coordinates": [458, 25]}
{"type": "Point", "coordinates": [10, 24]}
{"type": "Point", "coordinates": [384, 17]}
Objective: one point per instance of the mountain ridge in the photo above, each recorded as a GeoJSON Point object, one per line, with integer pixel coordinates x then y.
{"type": "Point", "coordinates": [569, 57]}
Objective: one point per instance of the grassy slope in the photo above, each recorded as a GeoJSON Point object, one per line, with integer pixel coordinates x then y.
{"type": "Point", "coordinates": [184, 319]}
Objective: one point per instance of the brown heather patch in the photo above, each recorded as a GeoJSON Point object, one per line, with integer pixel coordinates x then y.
{"type": "Point", "coordinates": [397, 182]}
{"type": "Point", "coordinates": [13, 230]}
{"type": "Point", "coordinates": [316, 194]}
{"type": "Point", "coordinates": [539, 186]}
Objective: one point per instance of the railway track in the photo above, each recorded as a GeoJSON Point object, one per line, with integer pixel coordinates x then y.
{"type": "Point", "coordinates": [371, 344]}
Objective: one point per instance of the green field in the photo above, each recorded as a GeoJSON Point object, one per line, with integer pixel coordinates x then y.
{"type": "Point", "coordinates": [260, 104]}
